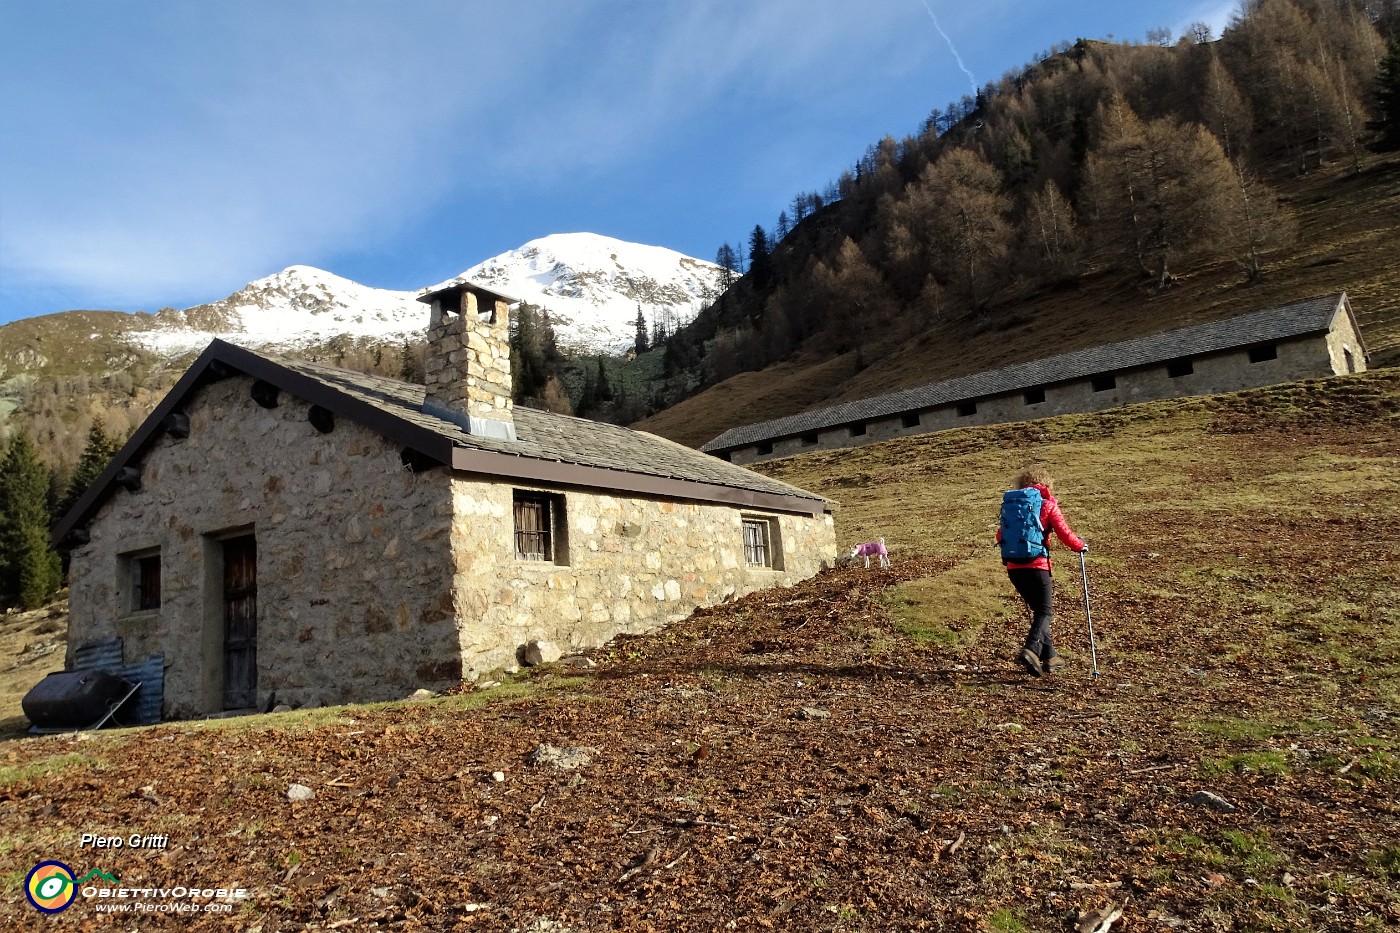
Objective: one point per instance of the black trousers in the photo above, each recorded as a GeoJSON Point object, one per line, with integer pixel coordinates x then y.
{"type": "Point", "coordinates": [1036, 590]}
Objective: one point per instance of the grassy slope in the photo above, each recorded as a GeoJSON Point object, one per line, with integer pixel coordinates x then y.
{"type": "Point", "coordinates": [1349, 240]}
{"type": "Point", "coordinates": [1248, 635]}
{"type": "Point", "coordinates": [31, 645]}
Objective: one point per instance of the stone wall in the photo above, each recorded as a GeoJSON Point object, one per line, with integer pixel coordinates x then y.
{"type": "Point", "coordinates": [1344, 347]}
{"type": "Point", "coordinates": [353, 558]}
{"type": "Point", "coordinates": [468, 363]}
{"type": "Point", "coordinates": [628, 565]}
{"type": "Point", "coordinates": [1298, 358]}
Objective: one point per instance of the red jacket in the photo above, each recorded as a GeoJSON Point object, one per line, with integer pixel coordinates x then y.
{"type": "Point", "coordinates": [1051, 519]}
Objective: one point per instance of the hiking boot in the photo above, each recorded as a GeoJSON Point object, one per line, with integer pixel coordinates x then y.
{"type": "Point", "coordinates": [1029, 661]}
{"type": "Point", "coordinates": [1052, 664]}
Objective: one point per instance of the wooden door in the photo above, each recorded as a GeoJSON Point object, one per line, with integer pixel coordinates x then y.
{"type": "Point", "coordinates": [240, 623]}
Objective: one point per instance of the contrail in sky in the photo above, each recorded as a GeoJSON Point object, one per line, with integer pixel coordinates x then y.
{"type": "Point", "coordinates": [956, 57]}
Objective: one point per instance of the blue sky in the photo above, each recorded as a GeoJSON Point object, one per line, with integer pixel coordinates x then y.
{"type": "Point", "coordinates": [160, 153]}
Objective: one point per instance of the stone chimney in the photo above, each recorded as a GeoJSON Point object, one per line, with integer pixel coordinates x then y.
{"type": "Point", "coordinates": [468, 365]}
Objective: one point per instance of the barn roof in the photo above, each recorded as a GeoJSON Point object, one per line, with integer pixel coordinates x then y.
{"type": "Point", "coordinates": [549, 449]}
{"type": "Point", "coordinates": [1294, 320]}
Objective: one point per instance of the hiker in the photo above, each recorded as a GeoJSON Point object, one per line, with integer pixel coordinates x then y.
{"type": "Point", "coordinates": [1027, 513]}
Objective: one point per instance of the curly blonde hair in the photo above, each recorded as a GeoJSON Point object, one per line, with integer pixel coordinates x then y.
{"type": "Point", "coordinates": [1035, 476]}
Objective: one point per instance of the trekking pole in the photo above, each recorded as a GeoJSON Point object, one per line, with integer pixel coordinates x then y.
{"type": "Point", "coordinates": [1093, 652]}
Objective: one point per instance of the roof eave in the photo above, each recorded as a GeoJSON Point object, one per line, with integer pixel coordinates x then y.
{"type": "Point", "coordinates": [246, 363]}
{"type": "Point", "coordinates": [562, 473]}
{"type": "Point", "coordinates": [722, 444]}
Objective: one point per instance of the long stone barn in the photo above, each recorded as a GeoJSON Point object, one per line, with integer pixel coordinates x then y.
{"type": "Point", "coordinates": [280, 528]}
{"type": "Point", "coordinates": [1309, 339]}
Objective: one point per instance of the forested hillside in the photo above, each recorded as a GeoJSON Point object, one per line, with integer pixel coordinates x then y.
{"type": "Point", "coordinates": [1105, 191]}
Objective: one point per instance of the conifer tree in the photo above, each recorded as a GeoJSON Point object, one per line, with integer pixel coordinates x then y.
{"type": "Point", "coordinates": [605, 391]}
{"type": "Point", "coordinates": [640, 343]}
{"type": "Point", "coordinates": [40, 568]}
{"type": "Point", "coordinates": [760, 265]}
{"type": "Point", "coordinates": [94, 459]}
{"type": "Point", "coordinates": [30, 571]}
{"type": "Point", "coordinates": [410, 364]}
{"type": "Point", "coordinates": [529, 370]}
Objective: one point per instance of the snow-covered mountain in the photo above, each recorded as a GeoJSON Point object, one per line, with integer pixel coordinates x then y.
{"type": "Point", "coordinates": [591, 285]}
{"type": "Point", "coordinates": [299, 306]}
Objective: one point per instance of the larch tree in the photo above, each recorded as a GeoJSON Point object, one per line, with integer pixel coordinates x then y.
{"type": "Point", "coordinates": [1162, 191]}
{"type": "Point", "coordinates": [858, 293]}
{"type": "Point", "coordinates": [961, 213]}
{"type": "Point", "coordinates": [1257, 222]}
{"type": "Point", "coordinates": [1052, 233]}
{"type": "Point", "coordinates": [728, 261]}
{"type": "Point", "coordinates": [1224, 110]}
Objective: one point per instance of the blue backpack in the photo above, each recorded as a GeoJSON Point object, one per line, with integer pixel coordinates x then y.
{"type": "Point", "coordinates": [1022, 535]}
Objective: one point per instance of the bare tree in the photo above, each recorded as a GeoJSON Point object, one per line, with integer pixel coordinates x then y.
{"type": "Point", "coordinates": [1162, 190]}
{"type": "Point", "coordinates": [1223, 109]}
{"type": "Point", "coordinates": [1257, 222]}
{"type": "Point", "coordinates": [960, 210]}
{"type": "Point", "coordinates": [1052, 232]}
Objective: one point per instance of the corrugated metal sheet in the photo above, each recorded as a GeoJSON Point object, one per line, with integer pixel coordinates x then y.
{"type": "Point", "coordinates": [105, 655]}
{"type": "Point", "coordinates": [145, 708]}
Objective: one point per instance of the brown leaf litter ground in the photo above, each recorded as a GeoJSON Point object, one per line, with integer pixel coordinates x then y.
{"type": "Point", "coordinates": [858, 752]}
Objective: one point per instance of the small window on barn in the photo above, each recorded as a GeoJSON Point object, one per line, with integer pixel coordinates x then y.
{"type": "Point", "coordinates": [1104, 383]}
{"type": "Point", "coordinates": [809, 440]}
{"type": "Point", "coordinates": [540, 532]}
{"type": "Point", "coordinates": [910, 419]}
{"type": "Point", "coordinates": [1035, 396]}
{"type": "Point", "coordinates": [858, 430]}
{"type": "Point", "coordinates": [761, 545]}
{"type": "Point", "coordinates": [1351, 360]}
{"type": "Point", "coordinates": [965, 409]}
{"type": "Point", "coordinates": [1262, 354]}
{"type": "Point", "coordinates": [141, 570]}
{"type": "Point", "coordinates": [1178, 368]}
{"type": "Point", "coordinates": [765, 448]}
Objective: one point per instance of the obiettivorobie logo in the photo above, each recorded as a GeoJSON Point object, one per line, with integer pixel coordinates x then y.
{"type": "Point", "coordinates": [51, 887]}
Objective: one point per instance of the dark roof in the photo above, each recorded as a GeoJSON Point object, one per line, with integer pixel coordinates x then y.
{"type": "Point", "coordinates": [460, 284]}
{"type": "Point", "coordinates": [1295, 320]}
{"type": "Point", "coordinates": [549, 449]}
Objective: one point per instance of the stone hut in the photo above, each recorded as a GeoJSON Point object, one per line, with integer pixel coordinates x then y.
{"type": "Point", "coordinates": [279, 528]}
{"type": "Point", "coordinates": [1306, 340]}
